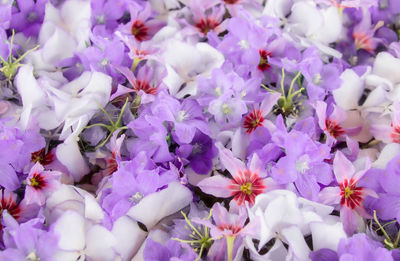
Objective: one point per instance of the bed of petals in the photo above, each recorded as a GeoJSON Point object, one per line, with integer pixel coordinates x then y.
{"type": "Point", "coordinates": [200, 130]}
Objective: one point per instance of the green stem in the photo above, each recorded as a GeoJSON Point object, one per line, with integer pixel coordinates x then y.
{"type": "Point", "coordinates": [268, 89]}
{"type": "Point", "coordinates": [380, 226]}
{"type": "Point", "coordinates": [292, 83]}
{"type": "Point", "coordinates": [229, 246]}
{"type": "Point", "coordinates": [282, 83]}
{"type": "Point", "coordinates": [118, 123]}
{"type": "Point", "coordinates": [135, 63]}
{"type": "Point", "coordinates": [397, 239]}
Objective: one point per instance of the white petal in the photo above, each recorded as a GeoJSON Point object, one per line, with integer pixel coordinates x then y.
{"type": "Point", "coordinates": [70, 228]}
{"type": "Point", "coordinates": [320, 231]}
{"type": "Point", "coordinates": [152, 208]}
{"type": "Point", "coordinates": [29, 90]}
{"type": "Point", "coordinates": [298, 248]}
{"type": "Point", "coordinates": [350, 91]}
{"type": "Point", "coordinates": [93, 209]}
{"type": "Point", "coordinates": [387, 154]}
{"type": "Point", "coordinates": [70, 156]}
{"type": "Point", "coordinates": [385, 65]}
{"type": "Point", "coordinates": [129, 237]}
{"type": "Point", "coordinates": [100, 243]}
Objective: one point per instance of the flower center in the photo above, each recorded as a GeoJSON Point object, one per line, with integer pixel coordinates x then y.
{"type": "Point", "coordinates": [395, 134]}
{"type": "Point", "coordinates": [302, 166]}
{"type": "Point", "coordinates": [139, 30]}
{"type": "Point", "coordinates": [253, 120]}
{"type": "Point", "coordinates": [363, 41]}
{"type": "Point", "coordinates": [246, 188]}
{"type": "Point", "coordinates": [136, 197]}
{"type": "Point", "coordinates": [317, 79]}
{"type": "Point", "coordinates": [333, 128]}
{"type": "Point", "coordinates": [32, 16]}
{"type": "Point", "coordinates": [144, 86]}
{"type": "Point", "coordinates": [351, 195]}
{"type": "Point", "coordinates": [206, 25]}
{"type": "Point", "coordinates": [41, 157]}
{"type": "Point", "coordinates": [263, 64]}
{"type": "Point", "coordinates": [182, 115]}
{"type": "Point", "coordinates": [37, 181]}
{"type": "Point", "coordinates": [226, 109]}
{"type": "Point", "coordinates": [32, 257]}
{"type": "Point", "coordinates": [231, 2]}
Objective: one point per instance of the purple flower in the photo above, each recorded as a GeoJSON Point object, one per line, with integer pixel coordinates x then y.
{"type": "Point", "coordinates": [303, 164]}
{"type": "Point", "coordinates": [27, 241]}
{"type": "Point", "coordinates": [142, 25]}
{"type": "Point", "coordinates": [29, 19]}
{"type": "Point", "coordinates": [172, 250]}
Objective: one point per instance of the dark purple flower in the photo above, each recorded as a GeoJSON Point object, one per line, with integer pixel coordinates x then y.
{"type": "Point", "coordinates": [29, 18]}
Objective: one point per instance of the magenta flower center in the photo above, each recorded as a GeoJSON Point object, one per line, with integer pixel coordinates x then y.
{"type": "Point", "coordinates": [246, 186]}
{"type": "Point", "coordinates": [395, 134]}
{"type": "Point", "coordinates": [263, 64]}
{"type": "Point", "coordinates": [41, 157]}
{"type": "Point", "coordinates": [144, 86]}
{"type": "Point", "coordinates": [206, 25]}
{"type": "Point", "coordinates": [253, 120]}
{"type": "Point", "coordinates": [231, 2]}
{"type": "Point", "coordinates": [9, 204]}
{"type": "Point", "coordinates": [333, 128]}
{"type": "Point", "coordinates": [139, 30]}
{"type": "Point", "coordinates": [363, 41]}
{"type": "Point", "coordinates": [37, 181]}
{"type": "Point", "coordinates": [351, 195]}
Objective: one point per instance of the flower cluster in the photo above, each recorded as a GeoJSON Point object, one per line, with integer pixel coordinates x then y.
{"type": "Point", "coordinates": [199, 130]}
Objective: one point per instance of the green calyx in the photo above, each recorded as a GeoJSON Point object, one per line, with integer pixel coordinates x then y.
{"type": "Point", "coordinates": [113, 126]}
{"type": "Point", "coordinates": [285, 102]}
{"type": "Point", "coordinates": [200, 237]}
{"type": "Point", "coordinates": [11, 65]}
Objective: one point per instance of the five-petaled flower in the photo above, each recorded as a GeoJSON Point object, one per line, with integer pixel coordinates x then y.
{"type": "Point", "coordinates": [247, 182]}
{"type": "Point", "coordinates": [348, 195]}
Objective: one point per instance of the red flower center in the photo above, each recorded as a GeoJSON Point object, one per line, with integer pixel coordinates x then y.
{"type": "Point", "coordinates": [231, 2]}
{"type": "Point", "coordinates": [363, 41]}
{"type": "Point", "coordinates": [395, 134]}
{"type": "Point", "coordinates": [333, 128]}
{"type": "Point", "coordinates": [351, 195]}
{"type": "Point", "coordinates": [41, 157]}
{"type": "Point", "coordinates": [111, 165]}
{"type": "Point", "coordinates": [234, 229]}
{"type": "Point", "coordinates": [253, 120]}
{"type": "Point", "coordinates": [263, 65]}
{"type": "Point", "coordinates": [246, 186]}
{"type": "Point", "coordinates": [139, 30]}
{"type": "Point", "coordinates": [37, 181]}
{"type": "Point", "coordinates": [9, 204]}
{"type": "Point", "coordinates": [204, 26]}
{"type": "Point", "coordinates": [144, 86]}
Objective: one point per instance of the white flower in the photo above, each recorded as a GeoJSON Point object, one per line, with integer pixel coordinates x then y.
{"type": "Point", "coordinates": [288, 218]}
{"type": "Point", "coordinates": [186, 62]}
